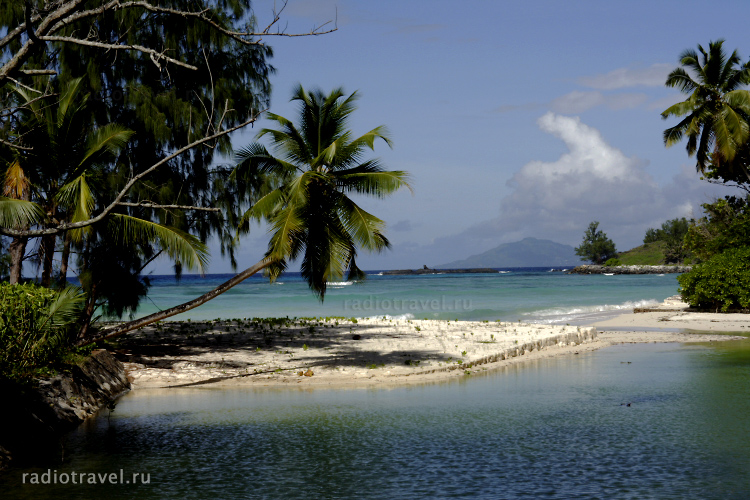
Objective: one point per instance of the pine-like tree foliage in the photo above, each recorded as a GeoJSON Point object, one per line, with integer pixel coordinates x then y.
{"type": "Point", "coordinates": [596, 246]}
{"type": "Point", "coordinates": [165, 107]}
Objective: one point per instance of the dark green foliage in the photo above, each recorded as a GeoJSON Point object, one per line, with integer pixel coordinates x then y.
{"type": "Point", "coordinates": [596, 247]}
{"type": "Point", "coordinates": [613, 262]}
{"type": "Point", "coordinates": [37, 328]}
{"type": "Point", "coordinates": [652, 235]}
{"type": "Point", "coordinates": [725, 225]}
{"type": "Point", "coordinates": [167, 107]}
{"type": "Point", "coordinates": [720, 283]}
{"type": "Point", "coordinates": [672, 233]}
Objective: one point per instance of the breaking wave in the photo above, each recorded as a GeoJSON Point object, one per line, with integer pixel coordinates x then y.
{"type": "Point", "coordinates": [562, 314]}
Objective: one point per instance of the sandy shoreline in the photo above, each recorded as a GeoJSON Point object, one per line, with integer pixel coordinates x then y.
{"type": "Point", "coordinates": [336, 352]}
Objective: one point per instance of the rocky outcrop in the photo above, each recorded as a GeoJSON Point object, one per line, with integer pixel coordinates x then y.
{"type": "Point", "coordinates": [34, 418]}
{"type": "Point", "coordinates": [590, 269]}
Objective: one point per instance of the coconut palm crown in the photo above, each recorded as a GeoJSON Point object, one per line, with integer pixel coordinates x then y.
{"type": "Point", "coordinates": [318, 165]}
{"type": "Point", "coordinates": [716, 113]}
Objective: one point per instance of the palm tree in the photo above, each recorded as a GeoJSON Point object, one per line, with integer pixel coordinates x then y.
{"type": "Point", "coordinates": [716, 113]}
{"type": "Point", "coordinates": [310, 213]}
{"type": "Point", "coordinates": [307, 204]}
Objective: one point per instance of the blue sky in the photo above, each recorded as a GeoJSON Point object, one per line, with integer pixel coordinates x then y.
{"type": "Point", "coordinates": [514, 119]}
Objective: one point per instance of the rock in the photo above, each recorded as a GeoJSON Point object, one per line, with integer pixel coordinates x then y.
{"type": "Point", "coordinates": [34, 418]}
{"type": "Point", "coordinates": [591, 269]}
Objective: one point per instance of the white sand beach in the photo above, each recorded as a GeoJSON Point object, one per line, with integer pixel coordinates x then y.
{"type": "Point", "coordinates": [336, 352]}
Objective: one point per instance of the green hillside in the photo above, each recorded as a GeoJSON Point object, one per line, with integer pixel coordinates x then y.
{"type": "Point", "coordinates": [650, 254]}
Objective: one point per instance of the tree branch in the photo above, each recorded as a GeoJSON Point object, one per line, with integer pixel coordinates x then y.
{"type": "Point", "coordinates": [148, 204]}
{"type": "Point", "coordinates": [32, 233]}
{"type": "Point", "coordinates": [113, 46]}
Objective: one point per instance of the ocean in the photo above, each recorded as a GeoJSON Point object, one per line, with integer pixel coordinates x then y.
{"type": "Point", "coordinates": [536, 295]}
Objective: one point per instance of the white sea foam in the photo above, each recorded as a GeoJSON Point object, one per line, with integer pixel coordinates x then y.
{"type": "Point", "coordinates": [340, 283]}
{"type": "Point", "coordinates": [396, 317]}
{"type": "Point", "coordinates": [561, 314]}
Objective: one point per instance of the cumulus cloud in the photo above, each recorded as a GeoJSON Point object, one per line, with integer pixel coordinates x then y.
{"type": "Point", "coordinates": [592, 180]}
{"type": "Point", "coordinates": [592, 176]}
{"type": "Point", "coordinates": [556, 200]}
{"type": "Point", "coordinates": [653, 76]}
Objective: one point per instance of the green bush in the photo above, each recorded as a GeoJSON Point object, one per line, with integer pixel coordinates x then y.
{"type": "Point", "coordinates": [614, 261]}
{"type": "Point", "coordinates": [37, 328]}
{"type": "Point", "coordinates": [721, 282]}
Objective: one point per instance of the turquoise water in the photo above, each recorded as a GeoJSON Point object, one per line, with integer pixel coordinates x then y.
{"type": "Point", "coordinates": [529, 294]}
{"type": "Point", "coordinates": [552, 428]}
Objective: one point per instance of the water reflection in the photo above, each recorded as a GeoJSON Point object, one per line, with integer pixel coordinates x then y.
{"type": "Point", "coordinates": [553, 428]}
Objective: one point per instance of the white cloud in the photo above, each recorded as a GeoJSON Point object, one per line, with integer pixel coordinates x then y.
{"type": "Point", "coordinates": [591, 181]}
{"type": "Point", "coordinates": [579, 101]}
{"type": "Point", "coordinates": [653, 76]}
{"type": "Point", "coordinates": [590, 178]}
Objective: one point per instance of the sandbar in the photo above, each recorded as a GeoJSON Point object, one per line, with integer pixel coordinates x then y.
{"type": "Point", "coordinates": [338, 352]}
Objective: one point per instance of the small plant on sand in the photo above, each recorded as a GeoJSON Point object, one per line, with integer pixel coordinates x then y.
{"type": "Point", "coordinates": [304, 347]}
{"type": "Point", "coordinates": [463, 353]}
{"type": "Point", "coordinates": [418, 328]}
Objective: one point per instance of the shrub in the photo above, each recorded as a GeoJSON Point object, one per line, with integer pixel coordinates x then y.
{"type": "Point", "coordinates": [614, 261]}
{"type": "Point", "coordinates": [36, 328]}
{"type": "Point", "coordinates": [722, 282]}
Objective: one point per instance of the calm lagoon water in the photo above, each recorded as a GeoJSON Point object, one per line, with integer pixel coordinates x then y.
{"type": "Point", "coordinates": [553, 428]}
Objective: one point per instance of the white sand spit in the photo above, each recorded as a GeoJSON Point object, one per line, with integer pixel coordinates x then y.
{"type": "Point", "coordinates": [332, 351]}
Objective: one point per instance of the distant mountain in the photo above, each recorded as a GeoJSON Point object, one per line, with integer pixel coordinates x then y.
{"type": "Point", "coordinates": [529, 252]}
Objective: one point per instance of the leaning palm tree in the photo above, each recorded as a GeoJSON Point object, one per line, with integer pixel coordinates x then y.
{"type": "Point", "coordinates": [316, 166]}
{"type": "Point", "coordinates": [716, 113]}
{"type": "Point", "coordinates": [311, 214]}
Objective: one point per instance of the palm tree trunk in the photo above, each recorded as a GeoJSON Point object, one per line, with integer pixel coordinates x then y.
{"type": "Point", "coordinates": [64, 261]}
{"type": "Point", "coordinates": [17, 249]}
{"type": "Point", "coordinates": [48, 251]}
{"type": "Point", "coordinates": [172, 311]}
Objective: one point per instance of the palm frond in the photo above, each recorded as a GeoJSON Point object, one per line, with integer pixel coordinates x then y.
{"type": "Point", "coordinates": [255, 159]}
{"type": "Point", "coordinates": [681, 79]}
{"type": "Point", "coordinates": [68, 100]}
{"type": "Point", "coordinates": [66, 308]}
{"type": "Point", "coordinates": [265, 207]}
{"type": "Point", "coordinates": [365, 228]}
{"type": "Point", "coordinates": [105, 143]}
{"type": "Point", "coordinates": [378, 184]}
{"type": "Point", "coordinates": [19, 214]}
{"type": "Point", "coordinates": [286, 226]}
{"type": "Point", "coordinates": [77, 195]}
{"type": "Point", "coordinates": [181, 246]}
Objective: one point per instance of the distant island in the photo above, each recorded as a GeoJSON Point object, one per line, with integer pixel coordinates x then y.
{"type": "Point", "coordinates": [529, 252]}
{"type": "Point", "coordinates": [427, 270]}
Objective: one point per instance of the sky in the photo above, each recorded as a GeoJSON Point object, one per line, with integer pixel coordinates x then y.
{"type": "Point", "coordinates": [513, 119]}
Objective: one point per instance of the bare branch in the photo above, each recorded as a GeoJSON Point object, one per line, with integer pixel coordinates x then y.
{"type": "Point", "coordinates": [155, 55]}
{"type": "Point", "coordinates": [15, 146]}
{"type": "Point", "coordinates": [32, 72]}
{"type": "Point", "coordinates": [148, 204]}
